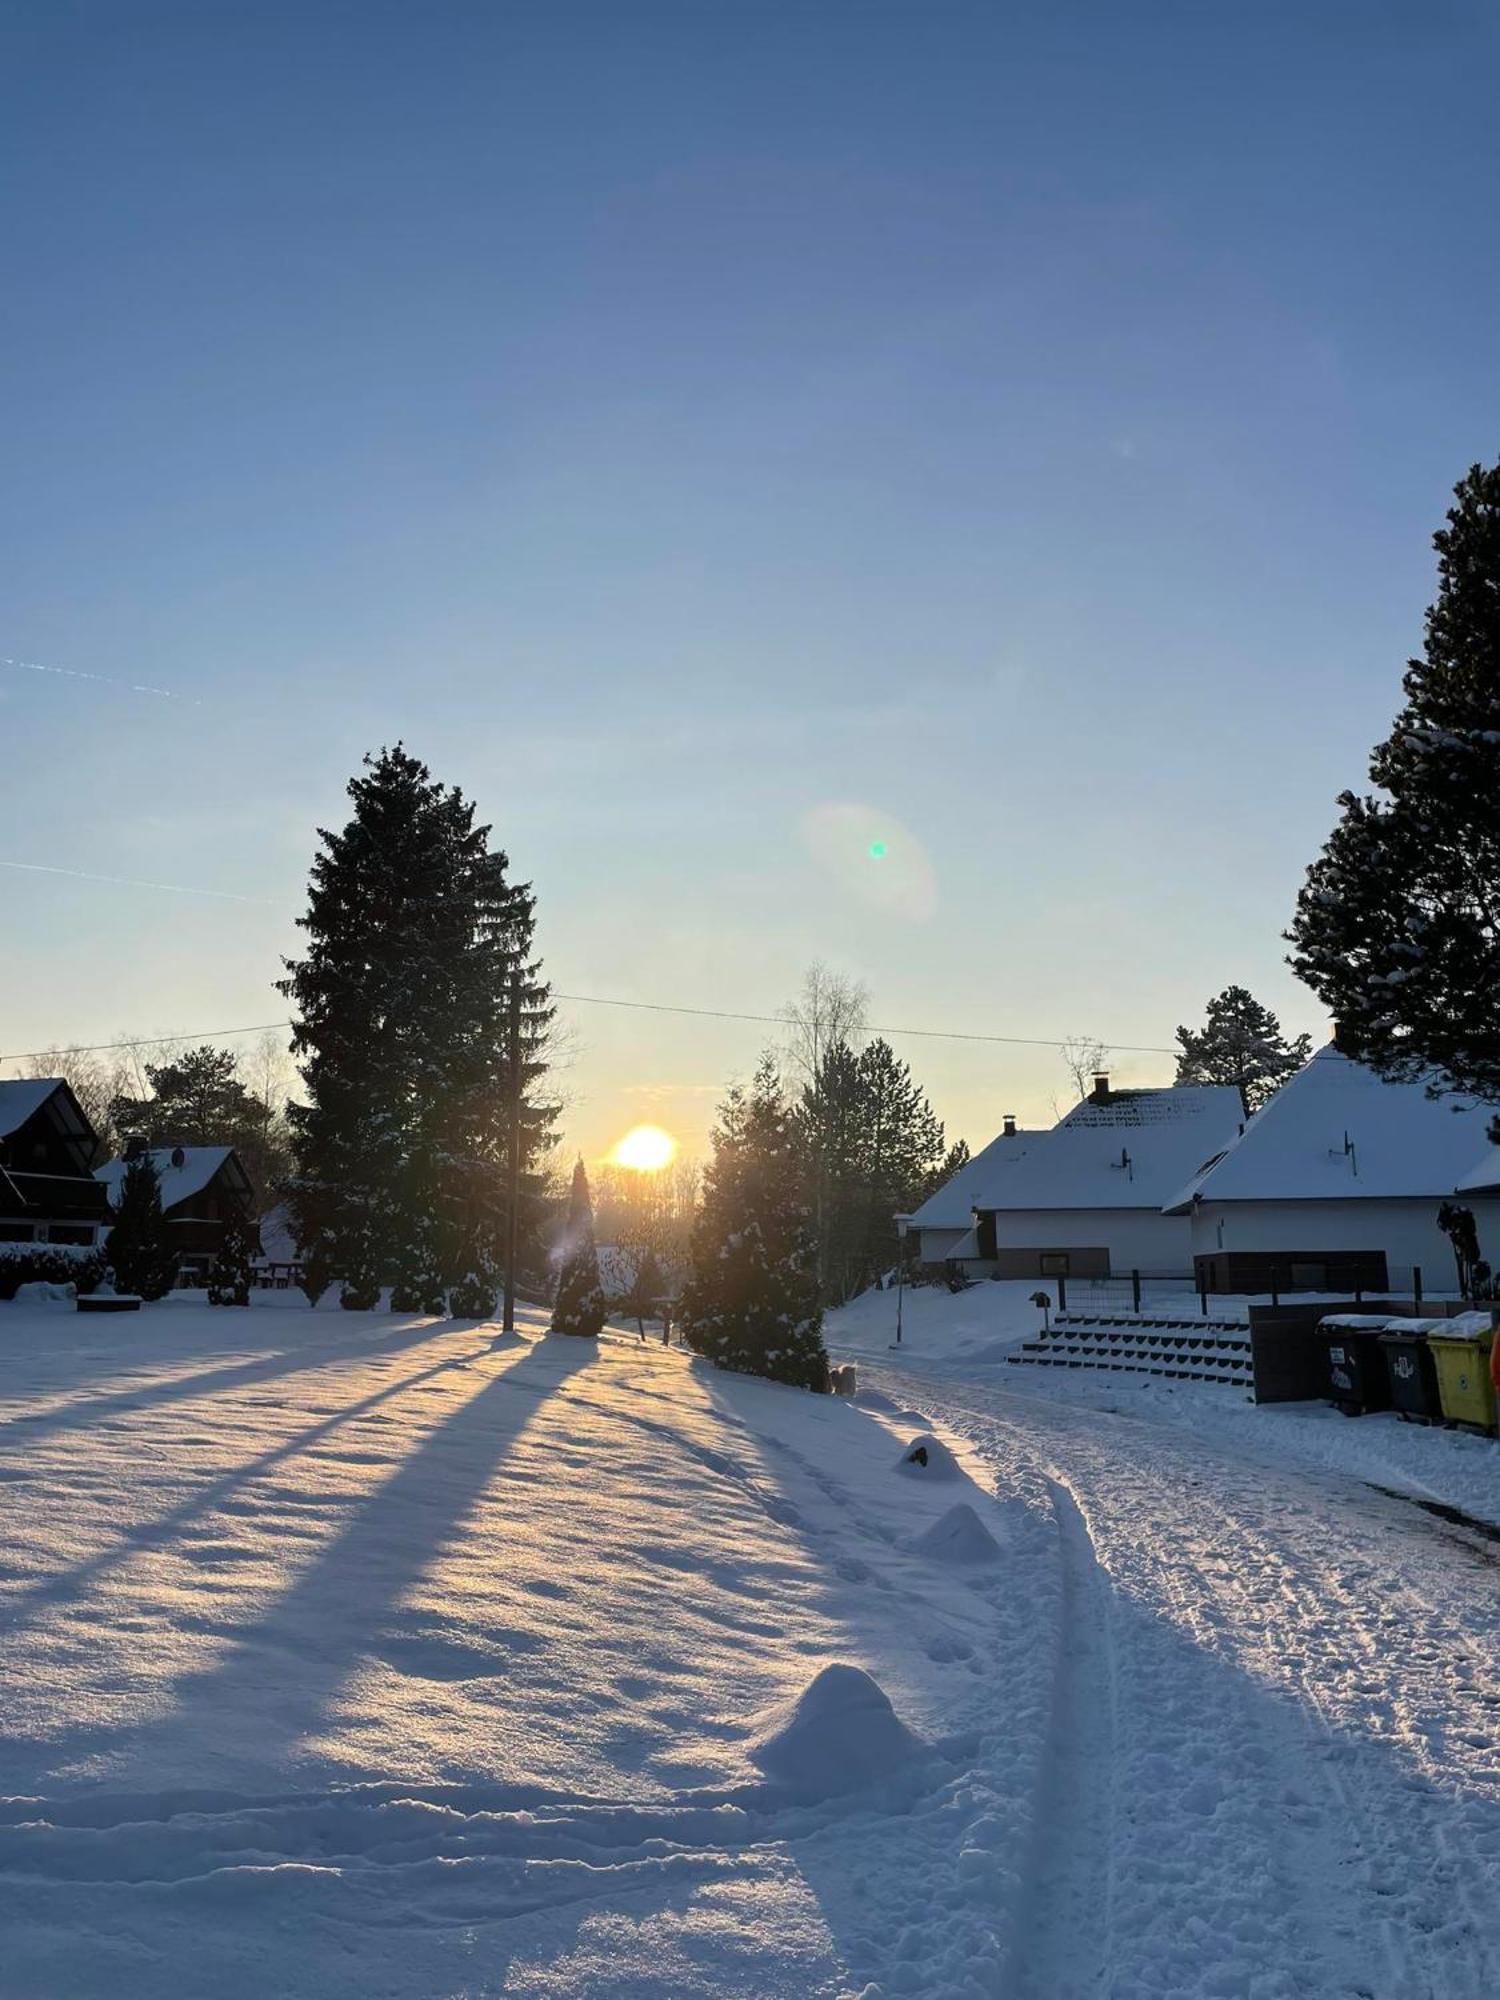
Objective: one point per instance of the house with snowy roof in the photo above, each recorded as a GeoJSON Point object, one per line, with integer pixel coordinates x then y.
{"type": "Point", "coordinates": [200, 1187]}
{"type": "Point", "coordinates": [946, 1218]}
{"type": "Point", "coordinates": [48, 1193]}
{"type": "Point", "coordinates": [1084, 1199]}
{"type": "Point", "coordinates": [1336, 1183]}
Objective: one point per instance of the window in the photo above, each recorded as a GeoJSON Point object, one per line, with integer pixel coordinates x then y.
{"type": "Point", "coordinates": [1053, 1263]}
{"type": "Point", "coordinates": [16, 1232]}
{"type": "Point", "coordinates": [70, 1232]}
{"type": "Point", "coordinates": [1309, 1277]}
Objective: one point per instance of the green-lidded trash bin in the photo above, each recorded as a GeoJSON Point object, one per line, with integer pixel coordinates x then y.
{"type": "Point", "coordinates": [1357, 1377]}
{"type": "Point", "coordinates": [1462, 1358]}
{"type": "Point", "coordinates": [1412, 1372]}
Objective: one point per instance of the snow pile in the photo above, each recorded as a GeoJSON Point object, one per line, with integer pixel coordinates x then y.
{"type": "Point", "coordinates": [841, 1734]}
{"type": "Point", "coordinates": [959, 1536]}
{"type": "Point", "coordinates": [928, 1458]}
{"type": "Point", "coordinates": [39, 1293]}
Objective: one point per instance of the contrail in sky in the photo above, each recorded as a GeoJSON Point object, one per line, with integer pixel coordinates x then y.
{"type": "Point", "coordinates": [134, 882]}
{"type": "Point", "coordinates": [100, 680]}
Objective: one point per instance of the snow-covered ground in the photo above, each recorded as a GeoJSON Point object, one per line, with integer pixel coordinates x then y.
{"type": "Point", "coordinates": [970, 1336]}
{"type": "Point", "coordinates": [350, 1654]}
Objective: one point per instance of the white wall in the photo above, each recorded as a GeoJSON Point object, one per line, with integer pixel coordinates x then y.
{"type": "Point", "coordinates": [1406, 1231]}
{"type": "Point", "coordinates": [1137, 1239]}
{"type": "Point", "coordinates": [934, 1244]}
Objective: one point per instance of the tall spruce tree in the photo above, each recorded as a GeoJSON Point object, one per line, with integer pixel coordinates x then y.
{"type": "Point", "coordinates": [1398, 925]}
{"type": "Point", "coordinates": [752, 1301]}
{"type": "Point", "coordinates": [580, 1304]}
{"type": "Point", "coordinates": [1241, 1043]}
{"type": "Point", "coordinates": [139, 1245]}
{"type": "Point", "coordinates": [416, 938]}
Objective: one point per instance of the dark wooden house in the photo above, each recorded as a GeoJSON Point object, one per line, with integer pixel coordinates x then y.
{"type": "Point", "coordinates": [200, 1187]}
{"type": "Point", "coordinates": [48, 1191]}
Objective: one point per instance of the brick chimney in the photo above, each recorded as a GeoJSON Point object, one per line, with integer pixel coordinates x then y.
{"type": "Point", "coordinates": [1008, 1129]}
{"type": "Point", "coordinates": [135, 1145]}
{"type": "Point", "coordinates": [1100, 1092]}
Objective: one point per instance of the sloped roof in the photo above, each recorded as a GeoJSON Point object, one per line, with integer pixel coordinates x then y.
{"type": "Point", "coordinates": [1133, 1150]}
{"type": "Point", "coordinates": [1338, 1132]}
{"type": "Point", "coordinates": [1485, 1178]}
{"type": "Point", "coordinates": [20, 1097]}
{"type": "Point", "coordinates": [199, 1165]}
{"type": "Point", "coordinates": [952, 1205]}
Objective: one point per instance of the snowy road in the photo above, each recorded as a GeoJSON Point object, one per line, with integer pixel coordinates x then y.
{"type": "Point", "coordinates": [1274, 1766]}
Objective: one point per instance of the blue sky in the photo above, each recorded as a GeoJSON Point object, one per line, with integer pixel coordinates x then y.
{"type": "Point", "coordinates": [1025, 425]}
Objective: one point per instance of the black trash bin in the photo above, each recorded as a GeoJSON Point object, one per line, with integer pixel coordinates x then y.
{"type": "Point", "coordinates": [1413, 1376]}
{"type": "Point", "coordinates": [1357, 1377]}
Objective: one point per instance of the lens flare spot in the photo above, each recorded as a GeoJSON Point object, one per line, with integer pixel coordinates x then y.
{"type": "Point", "coordinates": [845, 838]}
{"type": "Point", "coordinates": [877, 850]}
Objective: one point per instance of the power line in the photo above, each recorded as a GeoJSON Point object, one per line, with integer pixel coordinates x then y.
{"type": "Point", "coordinates": [602, 1000]}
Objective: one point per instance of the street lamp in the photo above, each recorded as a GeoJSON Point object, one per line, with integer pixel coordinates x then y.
{"type": "Point", "coordinates": [901, 1227]}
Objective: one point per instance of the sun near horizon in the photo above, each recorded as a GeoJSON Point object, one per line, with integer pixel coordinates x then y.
{"type": "Point", "coordinates": [646, 1148]}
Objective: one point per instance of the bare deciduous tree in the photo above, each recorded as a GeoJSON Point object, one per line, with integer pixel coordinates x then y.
{"type": "Point", "coordinates": [830, 1009]}
{"type": "Point", "coordinates": [1083, 1059]}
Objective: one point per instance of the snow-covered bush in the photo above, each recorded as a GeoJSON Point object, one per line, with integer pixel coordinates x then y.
{"type": "Point", "coordinates": [49, 1264]}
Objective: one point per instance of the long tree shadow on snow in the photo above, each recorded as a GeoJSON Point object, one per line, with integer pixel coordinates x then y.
{"type": "Point", "coordinates": [322, 1351]}
{"type": "Point", "coordinates": [275, 1684]}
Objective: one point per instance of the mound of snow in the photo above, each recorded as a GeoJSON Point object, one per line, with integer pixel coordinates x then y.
{"type": "Point", "coordinates": [928, 1458]}
{"type": "Point", "coordinates": [841, 1733]}
{"type": "Point", "coordinates": [959, 1536]}
{"type": "Point", "coordinates": [874, 1399]}
{"type": "Point", "coordinates": [40, 1293]}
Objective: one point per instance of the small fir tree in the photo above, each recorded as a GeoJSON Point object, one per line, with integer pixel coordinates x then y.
{"type": "Point", "coordinates": [1398, 925]}
{"type": "Point", "coordinates": [473, 1297]}
{"type": "Point", "coordinates": [230, 1276]}
{"type": "Point", "coordinates": [139, 1246]}
{"type": "Point", "coordinates": [752, 1300]}
{"type": "Point", "coordinates": [580, 1306]}
{"type": "Point", "coordinates": [1241, 1043]}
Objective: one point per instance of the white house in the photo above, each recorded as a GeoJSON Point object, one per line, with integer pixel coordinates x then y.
{"type": "Point", "coordinates": [946, 1218]}
{"type": "Point", "coordinates": [1084, 1199]}
{"type": "Point", "coordinates": [1335, 1185]}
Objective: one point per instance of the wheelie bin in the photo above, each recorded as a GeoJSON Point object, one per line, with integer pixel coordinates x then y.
{"type": "Point", "coordinates": [1357, 1378]}
{"type": "Point", "coordinates": [1411, 1371]}
{"type": "Point", "coordinates": [1462, 1358]}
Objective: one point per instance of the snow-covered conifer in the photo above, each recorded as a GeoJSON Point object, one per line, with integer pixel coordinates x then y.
{"type": "Point", "coordinates": [1241, 1043]}
{"type": "Point", "coordinates": [752, 1301]}
{"type": "Point", "coordinates": [139, 1245]}
{"type": "Point", "coordinates": [580, 1305]}
{"type": "Point", "coordinates": [231, 1272]}
{"type": "Point", "coordinates": [1398, 925]}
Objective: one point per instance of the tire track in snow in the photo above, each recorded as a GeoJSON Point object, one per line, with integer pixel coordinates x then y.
{"type": "Point", "coordinates": [1063, 1946]}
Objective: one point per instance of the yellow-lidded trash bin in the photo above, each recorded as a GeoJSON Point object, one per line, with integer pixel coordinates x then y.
{"type": "Point", "coordinates": [1463, 1371]}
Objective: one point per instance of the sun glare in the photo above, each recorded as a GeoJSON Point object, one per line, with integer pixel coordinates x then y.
{"type": "Point", "coordinates": [646, 1148]}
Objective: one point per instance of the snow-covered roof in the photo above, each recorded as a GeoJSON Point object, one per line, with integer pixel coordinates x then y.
{"type": "Point", "coordinates": [1338, 1132]}
{"type": "Point", "coordinates": [20, 1097]}
{"type": "Point", "coordinates": [952, 1205]}
{"type": "Point", "coordinates": [1132, 1149]}
{"type": "Point", "coordinates": [1485, 1178]}
{"type": "Point", "coordinates": [199, 1165]}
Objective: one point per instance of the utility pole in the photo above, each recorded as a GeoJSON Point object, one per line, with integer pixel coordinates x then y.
{"type": "Point", "coordinates": [513, 1212]}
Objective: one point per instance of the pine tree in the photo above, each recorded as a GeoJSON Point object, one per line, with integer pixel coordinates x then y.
{"type": "Point", "coordinates": [232, 1270]}
{"type": "Point", "coordinates": [139, 1245]}
{"type": "Point", "coordinates": [580, 1306]}
{"type": "Point", "coordinates": [871, 1145]}
{"type": "Point", "coordinates": [752, 1301]}
{"type": "Point", "coordinates": [1398, 925]}
{"type": "Point", "coordinates": [1241, 1043]}
{"type": "Point", "coordinates": [416, 941]}
{"type": "Point", "coordinates": [474, 1294]}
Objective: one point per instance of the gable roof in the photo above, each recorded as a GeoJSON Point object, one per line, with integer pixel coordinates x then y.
{"type": "Point", "coordinates": [178, 1184]}
{"type": "Point", "coordinates": [1130, 1150]}
{"type": "Point", "coordinates": [952, 1205]}
{"type": "Point", "coordinates": [21, 1097]}
{"type": "Point", "coordinates": [1338, 1132]}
